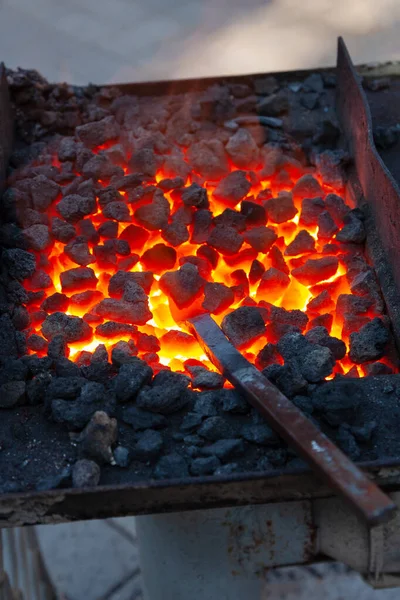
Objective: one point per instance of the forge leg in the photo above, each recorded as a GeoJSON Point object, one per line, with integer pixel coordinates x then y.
{"type": "Point", "coordinates": [221, 554]}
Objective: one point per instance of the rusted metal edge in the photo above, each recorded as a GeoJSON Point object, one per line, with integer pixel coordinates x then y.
{"type": "Point", "coordinates": [380, 193]}
{"type": "Point", "coordinates": [6, 127]}
{"type": "Point", "coordinates": [322, 455]}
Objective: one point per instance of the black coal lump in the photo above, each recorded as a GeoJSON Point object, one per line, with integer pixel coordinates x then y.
{"type": "Point", "coordinates": [347, 442]}
{"type": "Point", "coordinates": [191, 421]}
{"type": "Point", "coordinates": [260, 434]}
{"type": "Point", "coordinates": [148, 445]}
{"type": "Point", "coordinates": [225, 449]}
{"type": "Point", "coordinates": [51, 482]}
{"type": "Point", "coordinates": [337, 401]}
{"type": "Point", "coordinates": [20, 264]}
{"type": "Point", "coordinates": [206, 403]}
{"type": "Point", "coordinates": [122, 456]}
{"type": "Point", "coordinates": [140, 419]}
{"type": "Point", "coordinates": [168, 393]}
{"type": "Point", "coordinates": [204, 465]}
{"type": "Point", "coordinates": [369, 342]}
{"type": "Point", "coordinates": [130, 379]}
{"type": "Point", "coordinates": [171, 466]}
{"type": "Point", "coordinates": [216, 428]}
{"type": "Point", "coordinates": [233, 402]}
{"type": "Point", "coordinates": [77, 413]}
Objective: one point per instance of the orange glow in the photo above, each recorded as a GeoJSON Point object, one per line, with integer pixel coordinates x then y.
{"type": "Point", "coordinates": [176, 345]}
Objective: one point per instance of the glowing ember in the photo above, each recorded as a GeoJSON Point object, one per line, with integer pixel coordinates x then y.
{"type": "Point", "coordinates": [148, 258]}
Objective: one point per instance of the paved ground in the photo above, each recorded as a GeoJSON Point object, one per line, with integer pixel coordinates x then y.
{"type": "Point", "coordinates": [127, 40]}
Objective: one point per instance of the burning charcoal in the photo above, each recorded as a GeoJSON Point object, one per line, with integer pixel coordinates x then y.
{"type": "Point", "coordinates": [135, 236]}
{"type": "Point", "coordinates": [109, 230]}
{"type": "Point", "coordinates": [117, 211]}
{"type": "Point", "coordinates": [243, 149]}
{"type": "Point", "coordinates": [98, 437]}
{"type": "Point", "coordinates": [243, 325]}
{"type": "Point", "coordinates": [117, 282]}
{"type": "Point", "coordinates": [316, 270]}
{"type": "Point", "coordinates": [183, 215]}
{"type": "Point", "coordinates": [98, 133]}
{"type": "Point", "coordinates": [267, 356]}
{"type": "Point", "coordinates": [209, 254]}
{"type": "Point", "coordinates": [111, 329]}
{"type": "Point", "coordinates": [40, 280]}
{"type": "Point", "coordinates": [369, 342]}
{"type": "Point", "coordinates": [322, 302]}
{"type": "Point", "coordinates": [168, 393]}
{"type": "Point", "coordinates": [73, 329]}
{"type": "Point", "coordinates": [208, 158]}
{"type": "Point", "coordinates": [85, 300]}
{"type": "Point", "coordinates": [356, 305]}
{"type": "Point", "coordinates": [108, 195]}
{"type": "Point", "coordinates": [155, 215]}
{"type": "Point", "coordinates": [78, 252]}
{"type": "Point", "coordinates": [281, 209]}
{"type": "Point", "coordinates": [194, 195]}
{"type": "Point", "coordinates": [320, 336]}
{"type": "Point", "coordinates": [85, 473]}
{"type": "Point", "coordinates": [57, 347]}
{"type": "Point", "coordinates": [257, 270]}
{"type": "Point", "coordinates": [325, 320]}
{"type": "Point", "coordinates": [87, 230]}
{"type": "Point", "coordinates": [36, 343]}
{"type": "Point", "coordinates": [289, 317]}
{"type": "Point", "coordinates": [204, 466]}
{"type": "Point", "coordinates": [254, 213]}
{"type": "Point", "coordinates": [225, 449]}
{"type": "Point", "coordinates": [366, 284]}
{"type": "Point", "coordinates": [177, 171]}
{"type": "Point", "coordinates": [147, 343]}
{"type": "Point", "coordinates": [62, 231]}
{"type": "Point", "coordinates": [225, 240]}
{"type": "Point", "coordinates": [273, 284]}
{"type": "Point", "coordinates": [73, 208]}
{"type": "Point", "coordinates": [124, 312]}
{"type": "Point", "coordinates": [203, 379]}
{"type": "Point", "coordinates": [307, 187]}
{"type": "Point", "coordinates": [159, 258]}
{"type": "Point", "coordinates": [239, 278]}
{"type": "Point", "coordinates": [303, 243]}
{"type": "Point", "coordinates": [43, 191]}
{"type": "Point", "coordinates": [133, 292]}
{"type": "Point", "coordinates": [217, 298]}
{"type": "Point", "coordinates": [67, 149]}
{"type": "Point", "coordinates": [126, 183]}
{"type": "Point", "coordinates": [262, 435]}
{"type": "Point", "coordinates": [327, 227]}
{"type": "Point", "coordinates": [337, 208]}
{"type": "Point", "coordinates": [274, 105]}
{"type": "Point", "coordinates": [81, 278]}
{"type": "Point", "coordinates": [144, 161]}
{"type": "Point", "coordinates": [203, 266]}
{"type": "Point", "coordinates": [105, 256]}
{"type": "Point", "coordinates": [277, 261]}
{"type": "Point", "coordinates": [183, 286]}
{"type": "Point", "coordinates": [352, 232]}
{"type": "Point", "coordinates": [352, 323]}
{"type": "Point", "coordinates": [122, 353]}
{"type": "Point", "coordinates": [130, 379]}
{"type": "Point", "coordinates": [378, 368]}
{"type": "Point", "coordinates": [149, 445]}
{"type": "Point", "coordinates": [171, 466]}
{"type": "Point", "coordinates": [232, 188]}
{"type": "Point", "coordinates": [311, 209]}
{"type": "Point", "coordinates": [175, 234]}
{"type": "Point", "coordinates": [20, 264]}
{"type": "Point", "coordinates": [100, 354]}
{"type": "Point", "coordinates": [202, 222]}
{"type": "Point", "coordinates": [328, 164]}
{"type": "Point", "coordinates": [231, 218]}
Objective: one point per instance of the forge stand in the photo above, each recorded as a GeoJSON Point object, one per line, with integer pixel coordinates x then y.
{"type": "Point", "coordinates": [253, 522]}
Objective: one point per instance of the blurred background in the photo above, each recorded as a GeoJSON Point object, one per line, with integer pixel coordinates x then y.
{"type": "Point", "coordinates": [102, 41]}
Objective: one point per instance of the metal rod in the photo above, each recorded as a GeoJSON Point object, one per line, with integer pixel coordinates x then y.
{"type": "Point", "coordinates": [289, 422]}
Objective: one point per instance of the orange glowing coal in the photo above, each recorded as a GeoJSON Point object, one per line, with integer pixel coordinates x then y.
{"type": "Point", "coordinates": [283, 254]}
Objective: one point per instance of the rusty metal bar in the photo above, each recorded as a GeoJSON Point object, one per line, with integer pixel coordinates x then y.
{"type": "Point", "coordinates": [289, 422]}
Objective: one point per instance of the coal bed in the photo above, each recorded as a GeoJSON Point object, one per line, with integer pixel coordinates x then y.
{"type": "Point", "coordinates": [126, 214]}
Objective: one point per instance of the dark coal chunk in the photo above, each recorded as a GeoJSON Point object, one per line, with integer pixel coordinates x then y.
{"type": "Point", "coordinates": [148, 445]}
{"type": "Point", "coordinates": [118, 211]}
{"type": "Point", "coordinates": [217, 298]}
{"type": "Point", "coordinates": [243, 150]}
{"type": "Point", "coordinates": [85, 473]}
{"type": "Point", "coordinates": [107, 195]}
{"type": "Point", "coordinates": [155, 215]}
{"type": "Point", "coordinates": [168, 393]}
{"type": "Point", "coordinates": [116, 286]}
{"type": "Point", "coordinates": [274, 105]}
{"type": "Point", "coordinates": [130, 379]}
{"type": "Point", "coordinates": [137, 313]}
{"type": "Point", "coordinates": [365, 283]}
{"type": "Point", "coordinates": [231, 218]}
{"type": "Point", "coordinates": [36, 343]}
{"type": "Point", "coordinates": [378, 368]}
{"type": "Point", "coordinates": [291, 317]}
{"type": "Point", "coordinates": [108, 229]}
{"type": "Point", "coordinates": [176, 233]}
{"type": "Point", "coordinates": [261, 435]}
{"type": "Point", "coordinates": [311, 209]}
{"type": "Point", "coordinates": [66, 388]}
{"type": "Point", "coordinates": [122, 456]}
{"type": "Point", "coordinates": [81, 278]}
{"type": "Point", "coordinates": [36, 388]}
{"type": "Point", "coordinates": [66, 368]}
{"type": "Point", "coordinates": [61, 230]}
{"type": "Point", "coordinates": [327, 133]}
{"type": "Point", "coordinates": [264, 86]}
{"type": "Point", "coordinates": [12, 393]}
{"type": "Point", "coordinates": [203, 379]}
{"type": "Point", "coordinates": [233, 402]}
{"type": "Point", "coordinates": [364, 434]}
{"type": "Point", "coordinates": [67, 149]}
{"type": "Point", "coordinates": [195, 196]}
{"type": "Point", "coordinates": [307, 187]}
{"type": "Point", "coordinates": [303, 243]}
{"type": "Point", "coordinates": [57, 347]}
{"type": "Point", "coordinates": [254, 213]}
{"type": "Point", "coordinates": [232, 188]}
{"type": "Point", "coordinates": [225, 240]}
{"type": "Point", "coordinates": [206, 403]}
{"type": "Point", "coordinates": [159, 258]}
{"type": "Point", "coordinates": [112, 329]}
{"type": "Point", "coordinates": [353, 230]}
{"type": "Point", "coordinates": [171, 466]}
{"type": "Point", "coordinates": [355, 305]}
{"type": "Point", "coordinates": [327, 227]}
{"type": "Point", "coordinates": [204, 466]}
{"type": "Point", "coordinates": [20, 264]}
{"type": "Point", "coordinates": [169, 184]}
{"type": "Point", "coordinates": [317, 364]}
{"type": "Point", "coordinates": [98, 132]}
{"type": "Point", "coordinates": [141, 419]}
{"type": "Point", "coordinates": [281, 209]}
{"type": "Point", "coordinates": [346, 441]}
{"type": "Point", "coordinates": [329, 165]}
{"type": "Point", "coordinates": [191, 422]}
{"type": "Point", "coordinates": [78, 413]}
{"type": "Point", "coordinates": [337, 208]}
{"type": "Point", "coordinates": [202, 222]}
{"type": "Point", "coordinates": [320, 336]}
{"type": "Point", "coordinates": [243, 325]}
{"type": "Point", "coordinates": [8, 340]}
{"type": "Point", "coordinates": [43, 191]}
{"type": "Point", "coordinates": [216, 428]}
{"type": "Point", "coordinates": [225, 449]}
{"type": "Point", "coordinates": [87, 230]}
{"type": "Point", "coordinates": [40, 280]}
{"type": "Point", "coordinates": [73, 207]}
{"type": "Point", "coordinates": [309, 100]}
{"type": "Point", "coordinates": [272, 285]}
{"type": "Point", "coordinates": [304, 403]}
{"type": "Point", "coordinates": [20, 318]}
{"type": "Point", "coordinates": [58, 480]}
{"type": "Point", "coordinates": [315, 270]}
{"type": "Point", "coordinates": [288, 378]}
{"type": "Point", "coordinates": [144, 161]}
{"type": "Point", "coordinates": [267, 356]}
{"type": "Point", "coordinates": [337, 401]}
{"type": "Point", "coordinates": [208, 158]}
{"type": "Point", "coordinates": [100, 167]}
{"type": "Point", "coordinates": [369, 342]}
{"type": "Point", "coordinates": [98, 437]}
{"type": "Point", "coordinates": [78, 252]}
{"type": "Point", "coordinates": [72, 329]}
{"type": "Point", "coordinates": [13, 370]}
{"type": "Point", "coordinates": [183, 286]}
{"type": "Point", "coordinates": [122, 352]}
